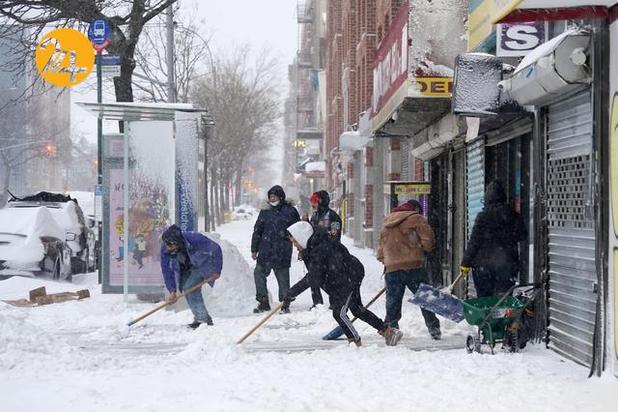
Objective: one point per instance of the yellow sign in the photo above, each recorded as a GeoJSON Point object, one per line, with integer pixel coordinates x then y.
{"type": "Point", "coordinates": [64, 57]}
{"type": "Point", "coordinates": [482, 19]}
{"type": "Point", "coordinates": [435, 86]}
{"type": "Point", "coordinates": [410, 189]}
{"type": "Point", "coordinates": [613, 161]}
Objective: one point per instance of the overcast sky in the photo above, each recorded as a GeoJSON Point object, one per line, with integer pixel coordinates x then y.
{"type": "Point", "coordinates": [260, 23]}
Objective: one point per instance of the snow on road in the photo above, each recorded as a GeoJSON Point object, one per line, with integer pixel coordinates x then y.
{"type": "Point", "coordinates": [80, 355]}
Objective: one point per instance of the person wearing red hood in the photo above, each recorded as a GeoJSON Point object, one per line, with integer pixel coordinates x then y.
{"type": "Point", "coordinates": [404, 239]}
{"type": "Point", "coordinates": [326, 219]}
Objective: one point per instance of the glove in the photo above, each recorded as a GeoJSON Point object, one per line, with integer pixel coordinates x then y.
{"type": "Point", "coordinates": [464, 269]}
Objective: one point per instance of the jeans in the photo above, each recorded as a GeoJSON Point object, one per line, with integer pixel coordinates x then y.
{"type": "Point", "coordinates": [261, 273]}
{"type": "Point", "coordinates": [341, 304]}
{"type": "Point", "coordinates": [493, 281]}
{"type": "Point", "coordinates": [195, 299]}
{"type": "Point", "coordinates": [396, 283]}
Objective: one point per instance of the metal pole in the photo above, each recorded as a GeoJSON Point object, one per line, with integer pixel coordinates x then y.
{"type": "Point", "coordinates": [171, 75]}
{"type": "Point", "coordinates": [102, 244]}
{"type": "Point", "coordinates": [125, 170]}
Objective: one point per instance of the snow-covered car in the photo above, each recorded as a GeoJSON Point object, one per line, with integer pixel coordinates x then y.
{"type": "Point", "coordinates": [70, 217]}
{"type": "Point", "coordinates": [243, 212]}
{"type": "Point", "coordinates": [32, 243]}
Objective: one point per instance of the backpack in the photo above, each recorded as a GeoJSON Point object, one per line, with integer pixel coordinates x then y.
{"type": "Point", "coordinates": [355, 269]}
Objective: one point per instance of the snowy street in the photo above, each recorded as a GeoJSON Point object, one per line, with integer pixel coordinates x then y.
{"type": "Point", "coordinates": [80, 355]}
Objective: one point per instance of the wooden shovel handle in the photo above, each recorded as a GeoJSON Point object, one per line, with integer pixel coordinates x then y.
{"type": "Point", "coordinates": [186, 292]}
{"type": "Point", "coordinates": [260, 323]}
{"type": "Point", "coordinates": [450, 288]}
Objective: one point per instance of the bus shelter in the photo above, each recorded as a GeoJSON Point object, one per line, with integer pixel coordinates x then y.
{"type": "Point", "coordinates": [155, 170]}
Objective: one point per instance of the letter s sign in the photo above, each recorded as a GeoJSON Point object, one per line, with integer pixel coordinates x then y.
{"type": "Point", "coordinates": [519, 39]}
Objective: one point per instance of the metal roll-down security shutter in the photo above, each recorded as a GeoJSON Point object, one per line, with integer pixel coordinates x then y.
{"type": "Point", "coordinates": [571, 237]}
{"type": "Point", "coordinates": [475, 181]}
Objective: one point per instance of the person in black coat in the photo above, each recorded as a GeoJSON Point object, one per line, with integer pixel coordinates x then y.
{"type": "Point", "coordinates": [326, 219]}
{"type": "Point", "coordinates": [331, 267]}
{"type": "Point", "coordinates": [493, 248]}
{"type": "Point", "coordinates": [271, 247]}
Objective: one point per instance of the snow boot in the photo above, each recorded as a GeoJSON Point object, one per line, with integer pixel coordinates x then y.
{"type": "Point", "coordinates": [357, 342]}
{"type": "Point", "coordinates": [392, 336]}
{"type": "Point", "coordinates": [263, 306]}
{"type": "Point", "coordinates": [435, 333]}
{"type": "Point", "coordinates": [194, 325]}
{"type": "Point", "coordinates": [284, 310]}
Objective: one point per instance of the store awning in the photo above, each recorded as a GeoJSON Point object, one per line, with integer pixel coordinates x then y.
{"type": "Point", "coordinates": [414, 115]}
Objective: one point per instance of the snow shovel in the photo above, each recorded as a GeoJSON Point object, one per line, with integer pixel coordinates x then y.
{"type": "Point", "coordinates": [338, 331]}
{"type": "Point", "coordinates": [440, 302]}
{"type": "Point", "coordinates": [186, 292]}
{"type": "Point", "coordinates": [260, 323]}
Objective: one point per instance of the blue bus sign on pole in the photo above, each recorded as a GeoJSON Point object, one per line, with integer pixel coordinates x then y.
{"type": "Point", "coordinates": [100, 34]}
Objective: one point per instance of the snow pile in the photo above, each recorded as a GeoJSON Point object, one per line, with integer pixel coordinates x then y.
{"type": "Point", "coordinates": [85, 201]}
{"type": "Point", "coordinates": [23, 340]}
{"type": "Point", "coordinates": [319, 166]}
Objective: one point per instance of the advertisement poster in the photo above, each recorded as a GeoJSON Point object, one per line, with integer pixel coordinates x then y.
{"type": "Point", "coordinates": [148, 218]}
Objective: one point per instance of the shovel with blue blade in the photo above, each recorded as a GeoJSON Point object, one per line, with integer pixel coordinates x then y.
{"type": "Point", "coordinates": [440, 301]}
{"type": "Point", "coordinates": [338, 331]}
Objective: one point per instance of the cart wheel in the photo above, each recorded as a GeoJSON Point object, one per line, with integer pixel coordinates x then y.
{"type": "Point", "coordinates": [473, 344]}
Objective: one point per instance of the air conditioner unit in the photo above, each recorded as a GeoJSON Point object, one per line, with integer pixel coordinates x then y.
{"type": "Point", "coordinates": [552, 69]}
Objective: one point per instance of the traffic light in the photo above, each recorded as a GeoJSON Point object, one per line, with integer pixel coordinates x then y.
{"type": "Point", "coordinates": [50, 150]}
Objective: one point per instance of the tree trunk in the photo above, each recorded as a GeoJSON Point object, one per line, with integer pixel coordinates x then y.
{"type": "Point", "coordinates": [215, 186]}
{"type": "Point", "coordinates": [239, 199]}
{"type": "Point", "coordinates": [6, 181]}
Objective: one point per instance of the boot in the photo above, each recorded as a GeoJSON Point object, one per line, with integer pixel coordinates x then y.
{"type": "Point", "coordinates": [194, 325]}
{"type": "Point", "coordinates": [357, 342]}
{"type": "Point", "coordinates": [435, 333]}
{"type": "Point", "coordinates": [263, 306]}
{"type": "Point", "coordinates": [392, 336]}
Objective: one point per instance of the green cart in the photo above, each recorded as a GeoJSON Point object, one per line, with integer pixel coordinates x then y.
{"type": "Point", "coordinates": [498, 320]}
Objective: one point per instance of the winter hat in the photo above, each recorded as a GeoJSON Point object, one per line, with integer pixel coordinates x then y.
{"type": "Point", "coordinates": [495, 193]}
{"type": "Point", "coordinates": [315, 198]}
{"type": "Point", "coordinates": [277, 191]}
{"type": "Point", "coordinates": [301, 232]}
{"type": "Point", "coordinates": [173, 234]}
{"type": "Point", "coordinates": [324, 198]}
{"type": "Point", "coordinates": [410, 206]}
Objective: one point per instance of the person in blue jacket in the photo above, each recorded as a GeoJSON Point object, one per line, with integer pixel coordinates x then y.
{"type": "Point", "coordinates": [187, 259]}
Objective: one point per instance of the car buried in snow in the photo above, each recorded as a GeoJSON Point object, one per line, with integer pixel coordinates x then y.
{"type": "Point", "coordinates": [32, 244]}
{"type": "Point", "coordinates": [69, 216]}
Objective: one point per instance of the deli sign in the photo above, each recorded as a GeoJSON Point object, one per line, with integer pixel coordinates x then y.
{"type": "Point", "coordinates": [391, 68]}
{"type": "Point", "coordinates": [519, 39]}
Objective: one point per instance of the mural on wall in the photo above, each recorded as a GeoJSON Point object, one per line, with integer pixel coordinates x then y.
{"type": "Point", "coordinates": [148, 218]}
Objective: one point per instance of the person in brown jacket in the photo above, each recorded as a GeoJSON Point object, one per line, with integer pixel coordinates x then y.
{"type": "Point", "coordinates": [404, 239]}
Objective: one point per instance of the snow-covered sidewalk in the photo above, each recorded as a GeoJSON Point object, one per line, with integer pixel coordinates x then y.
{"type": "Point", "coordinates": [80, 355]}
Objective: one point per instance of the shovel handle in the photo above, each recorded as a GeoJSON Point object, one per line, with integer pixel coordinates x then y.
{"type": "Point", "coordinates": [260, 323]}
{"type": "Point", "coordinates": [450, 288]}
{"type": "Point", "coordinates": [186, 292]}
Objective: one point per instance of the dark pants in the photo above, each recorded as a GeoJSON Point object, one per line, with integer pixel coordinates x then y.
{"type": "Point", "coordinates": [261, 273]}
{"type": "Point", "coordinates": [316, 295]}
{"type": "Point", "coordinates": [341, 304]}
{"type": "Point", "coordinates": [493, 281]}
{"type": "Point", "coordinates": [396, 283]}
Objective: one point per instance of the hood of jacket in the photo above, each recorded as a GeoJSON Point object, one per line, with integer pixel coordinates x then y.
{"type": "Point", "coordinates": [173, 234]}
{"type": "Point", "coordinates": [301, 232]}
{"type": "Point", "coordinates": [277, 191]}
{"type": "Point", "coordinates": [495, 194]}
{"type": "Point", "coordinates": [395, 218]}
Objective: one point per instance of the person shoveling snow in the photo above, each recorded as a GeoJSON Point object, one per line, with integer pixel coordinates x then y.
{"type": "Point", "coordinates": [188, 259]}
{"type": "Point", "coordinates": [331, 267]}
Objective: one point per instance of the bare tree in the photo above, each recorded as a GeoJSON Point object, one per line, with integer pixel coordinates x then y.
{"type": "Point", "coordinates": [191, 51]}
{"type": "Point", "coordinates": [242, 94]}
{"type": "Point", "coordinates": [127, 19]}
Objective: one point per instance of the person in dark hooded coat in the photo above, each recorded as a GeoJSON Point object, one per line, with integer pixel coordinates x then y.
{"type": "Point", "coordinates": [330, 266]}
{"type": "Point", "coordinates": [493, 248]}
{"type": "Point", "coordinates": [326, 219]}
{"type": "Point", "coordinates": [187, 259]}
{"type": "Point", "coordinates": [270, 246]}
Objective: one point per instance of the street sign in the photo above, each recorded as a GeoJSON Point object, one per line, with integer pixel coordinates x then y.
{"type": "Point", "coordinates": [108, 59]}
{"type": "Point", "coordinates": [110, 71]}
{"type": "Point", "coordinates": [100, 34]}
{"type": "Point", "coordinates": [98, 202]}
